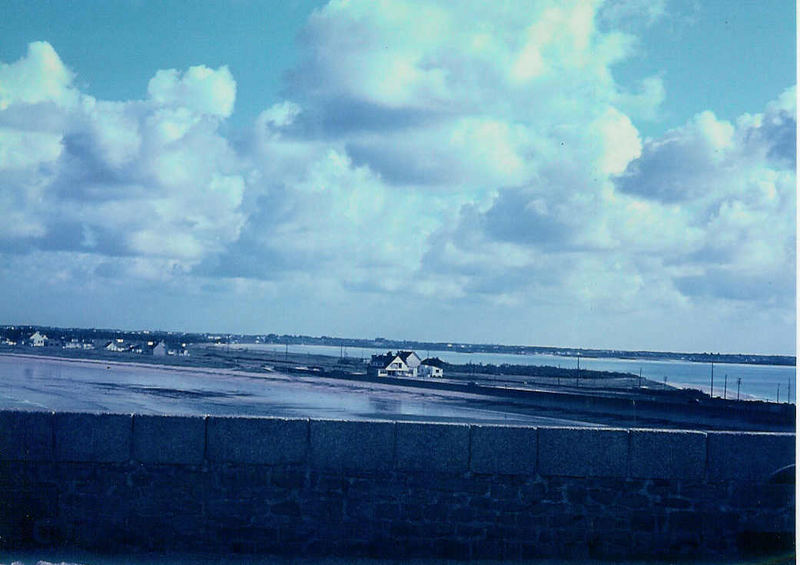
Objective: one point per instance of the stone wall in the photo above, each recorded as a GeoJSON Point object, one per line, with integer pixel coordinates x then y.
{"type": "Point", "coordinates": [310, 487]}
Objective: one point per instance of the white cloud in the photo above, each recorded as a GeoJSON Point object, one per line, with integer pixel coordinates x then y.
{"type": "Point", "coordinates": [632, 12]}
{"type": "Point", "coordinates": [620, 140]}
{"type": "Point", "coordinates": [24, 149]}
{"type": "Point", "coordinates": [199, 89]}
{"type": "Point", "coordinates": [38, 77]}
{"type": "Point", "coordinates": [148, 179]}
{"type": "Point", "coordinates": [473, 155]}
{"type": "Point", "coordinates": [279, 115]}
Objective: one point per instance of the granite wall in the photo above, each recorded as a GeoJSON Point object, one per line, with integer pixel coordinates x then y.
{"type": "Point", "coordinates": [113, 482]}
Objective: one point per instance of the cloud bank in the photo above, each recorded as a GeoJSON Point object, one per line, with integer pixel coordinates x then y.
{"type": "Point", "coordinates": [461, 162]}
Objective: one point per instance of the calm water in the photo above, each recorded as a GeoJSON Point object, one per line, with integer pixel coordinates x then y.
{"type": "Point", "coordinates": [52, 384]}
{"type": "Point", "coordinates": [763, 382]}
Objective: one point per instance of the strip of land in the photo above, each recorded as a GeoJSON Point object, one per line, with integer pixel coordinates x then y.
{"type": "Point", "coordinates": [20, 333]}
{"type": "Point", "coordinates": [589, 397]}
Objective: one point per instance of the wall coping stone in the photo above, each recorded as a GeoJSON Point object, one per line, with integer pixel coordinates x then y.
{"type": "Point", "coordinates": [269, 441]}
{"type": "Point", "coordinates": [92, 437]}
{"type": "Point", "coordinates": [501, 449]}
{"type": "Point", "coordinates": [583, 452]}
{"type": "Point", "coordinates": [351, 445]}
{"type": "Point", "coordinates": [26, 436]}
{"type": "Point", "coordinates": [169, 439]}
{"type": "Point", "coordinates": [379, 446]}
{"type": "Point", "coordinates": [748, 455]}
{"type": "Point", "coordinates": [432, 447]}
{"type": "Point", "coordinates": [667, 454]}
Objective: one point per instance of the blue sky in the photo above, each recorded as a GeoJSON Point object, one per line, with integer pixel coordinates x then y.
{"type": "Point", "coordinates": [598, 174]}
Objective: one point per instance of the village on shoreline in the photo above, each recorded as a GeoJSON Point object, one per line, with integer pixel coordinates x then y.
{"type": "Point", "coordinates": [178, 343]}
{"type": "Point", "coordinates": [615, 397]}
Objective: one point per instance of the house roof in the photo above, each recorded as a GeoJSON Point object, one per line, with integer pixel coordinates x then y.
{"type": "Point", "coordinates": [404, 355]}
{"type": "Point", "coordinates": [434, 362]}
{"type": "Point", "coordinates": [383, 360]}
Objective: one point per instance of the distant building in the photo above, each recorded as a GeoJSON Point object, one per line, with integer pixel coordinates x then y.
{"type": "Point", "coordinates": [411, 360]}
{"type": "Point", "coordinates": [155, 348]}
{"type": "Point", "coordinates": [117, 345]}
{"type": "Point", "coordinates": [159, 349]}
{"type": "Point", "coordinates": [431, 367]}
{"type": "Point", "coordinates": [75, 343]}
{"type": "Point", "coordinates": [400, 364]}
{"type": "Point", "coordinates": [38, 340]}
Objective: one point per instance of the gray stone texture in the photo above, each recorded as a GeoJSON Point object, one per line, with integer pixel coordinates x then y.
{"type": "Point", "coordinates": [432, 447]}
{"type": "Point", "coordinates": [26, 436]}
{"type": "Point", "coordinates": [666, 454]}
{"type": "Point", "coordinates": [352, 445]}
{"type": "Point", "coordinates": [752, 456]}
{"type": "Point", "coordinates": [169, 439]}
{"type": "Point", "coordinates": [305, 511]}
{"type": "Point", "coordinates": [500, 449]}
{"type": "Point", "coordinates": [92, 437]}
{"type": "Point", "coordinates": [257, 440]}
{"type": "Point", "coordinates": [583, 452]}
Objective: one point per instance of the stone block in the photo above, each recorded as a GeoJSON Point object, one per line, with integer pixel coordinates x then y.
{"type": "Point", "coordinates": [667, 454]}
{"type": "Point", "coordinates": [26, 436]}
{"type": "Point", "coordinates": [93, 437]}
{"type": "Point", "coordinates": [432, 447]}
{"type": "Point", "coordinates": [266, 441]}
{"type": "Point", "coordinates": [583, 452]}
{"type": "Point", "coordinates": [367, 446]}
{"type": "Point", "coordinates": [169, 439]}
{"type": "Point", "coordinates": [505, 450]}
{"type": "Point", "coordinates": [748, 455]}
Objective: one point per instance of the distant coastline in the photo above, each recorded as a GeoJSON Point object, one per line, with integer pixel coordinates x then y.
{"type": "Point", "coordinates": [17, 331]}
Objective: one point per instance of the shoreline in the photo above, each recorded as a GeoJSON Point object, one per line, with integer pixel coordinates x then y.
{"type": "Point", "coordinates": [287, 373]}
{"type": "Point", "coordinates": [484, 403]}
{"type": "Point", "coordinates": [275, 348]}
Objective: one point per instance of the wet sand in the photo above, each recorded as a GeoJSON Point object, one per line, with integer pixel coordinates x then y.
{"type": "Point", "coordinates": [40, 382]}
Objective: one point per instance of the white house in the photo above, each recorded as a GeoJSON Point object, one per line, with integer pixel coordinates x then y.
{"type": "Point", "coordinates": [118, 345]}
{"type": "Point", "coordinates": [431, 367]}
{"type": "Point", "coordinates": [400, 364]}
{"type": "Point", "coordinates": [159, 349]}
{"type": "Point", "coordinates": [38, 339]}
{"type": "Point", "coordinates": [411, 360]}
{"type": "Point", "coordinates": [75, 343]}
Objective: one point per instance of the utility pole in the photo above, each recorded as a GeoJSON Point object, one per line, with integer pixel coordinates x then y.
{"type": "Point", "coordinates": [738, 386]}
{"type": "Point", "coordinates": [788, 390]}
{"type": "Point", "coordinates": [578, 373]}
{"type": "Point", "coordinates": [778, 394]}
{"type": "Point", "coordinates": [712, 375]}
{"type": "Point", "coordinates": [725, 390]}
{"type": "Point", "coordinates": [640, 377]}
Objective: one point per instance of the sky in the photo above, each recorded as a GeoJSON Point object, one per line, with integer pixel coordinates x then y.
{"type": "Point", "coordinates": [610, 174]}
